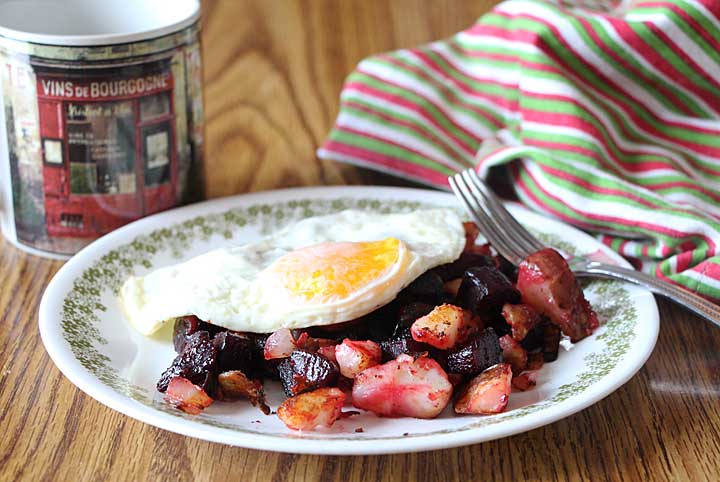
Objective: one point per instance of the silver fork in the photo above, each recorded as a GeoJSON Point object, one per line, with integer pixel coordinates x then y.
{"type": "Point", "coordinates": [515, 243]}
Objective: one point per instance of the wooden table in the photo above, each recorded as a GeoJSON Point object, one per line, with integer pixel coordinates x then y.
{"type": "Point", "coordinates": [274, 70]}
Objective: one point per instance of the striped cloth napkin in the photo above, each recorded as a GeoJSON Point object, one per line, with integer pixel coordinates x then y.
{"type": "Point", "coordinates": [606, 116]}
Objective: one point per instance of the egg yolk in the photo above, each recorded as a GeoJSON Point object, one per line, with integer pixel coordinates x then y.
{"type": "Point", "coordinates": [331, 271]}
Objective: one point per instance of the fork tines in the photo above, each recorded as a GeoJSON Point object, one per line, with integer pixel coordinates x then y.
{"type": "Point", "coordinates": [504, 232]}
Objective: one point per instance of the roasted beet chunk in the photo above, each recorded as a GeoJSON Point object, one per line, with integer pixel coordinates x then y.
{"type": "Point", "coordinates": [236, 352]}
{"type": "Point", "coordinates": [259, 340]}
{"type": "Point", "coordinates": [303, 371]}
{"type": "Point", "coordinates": [376, 325]}
{"type": "Point", "coordinates": [264, 368]}
{"type": "Point", "coordinates": [498, 324]}
{"type": "Point", "coordinates": [428, 286]}
{"type": "Point", "coordinates": [402, 343]}
{"type": "Point", "coordinates": [533, 341]}
{"type": "Point", "coordinates": [466, 261]}
{"type": "Point", "coordinates": [551, 341]}
{"type": "Point", "coordinates": [507, 268]}
{"type": "Point", "coordinates": [197, 363]}
{"type": "Point", "coordinates": [184, 327]}
{"type": "Point", "coordinates": [548, 285]}
{"type": "Point", "coordinates": [411, 312]}
{"type": "Point", "coordinates": [481, 352]}
{"type": "Point", "coordinates": [210, 328]}
{"type": "Point", "coordinates": [485, 290]}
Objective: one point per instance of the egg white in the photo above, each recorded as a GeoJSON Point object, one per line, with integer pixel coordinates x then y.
{"type": "Point", "coordinates": [227, 287]}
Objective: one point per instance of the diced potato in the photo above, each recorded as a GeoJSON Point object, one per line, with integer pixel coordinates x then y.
{"type": "Point", "coordinates": [279, 344]}
{"type": "Point", "coordinates": [186, 396]}
{"type": "Point", "coordinates": [405, 387]}
{"type": "Point", "coordinates": [548, 285]}
{"type": "Point", "coordinates": [355, 356]}
{"type": "Point", "coordinates": [444, 327]}
{"type": "Point", "coordinates": [487, 393]}
{"type": "Point", "coordinates": [309, 410]}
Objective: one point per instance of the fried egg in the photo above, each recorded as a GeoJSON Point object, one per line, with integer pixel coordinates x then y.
{"type": "Point", "coordinates": [320, 271]}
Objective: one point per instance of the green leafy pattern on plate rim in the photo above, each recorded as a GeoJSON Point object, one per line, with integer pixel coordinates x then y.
{"type": "Point", "coordinates": [82, 306]}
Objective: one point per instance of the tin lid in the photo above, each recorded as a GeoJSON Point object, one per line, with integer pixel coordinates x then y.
{"type": "Point", "coordinates": [93, 22]}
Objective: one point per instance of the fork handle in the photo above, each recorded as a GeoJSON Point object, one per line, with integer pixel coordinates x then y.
{"type": "Point", "coordinates": [697, 304]}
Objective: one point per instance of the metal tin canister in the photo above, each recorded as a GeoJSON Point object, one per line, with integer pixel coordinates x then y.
{"type": "Point", "coordinates": [101, 124]}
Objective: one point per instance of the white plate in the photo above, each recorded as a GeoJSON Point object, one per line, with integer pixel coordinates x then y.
{"type": "Point", "coordinates": [86, 335]}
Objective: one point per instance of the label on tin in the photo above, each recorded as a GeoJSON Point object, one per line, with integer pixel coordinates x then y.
{"type": "Point", "coordinates": [93, 145]}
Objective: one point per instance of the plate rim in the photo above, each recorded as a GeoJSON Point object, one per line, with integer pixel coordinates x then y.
{"type": "Point", "coordinates": [59, 351]}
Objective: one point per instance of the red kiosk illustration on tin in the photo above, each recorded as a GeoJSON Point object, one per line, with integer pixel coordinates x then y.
{"type": "Point", "coordinates": [107, 144]}
{"type": "Point", "coordinates": [98, 136]}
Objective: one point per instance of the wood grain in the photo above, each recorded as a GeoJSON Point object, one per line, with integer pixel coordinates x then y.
{"type": "Point", "coordinates": [274, 70]}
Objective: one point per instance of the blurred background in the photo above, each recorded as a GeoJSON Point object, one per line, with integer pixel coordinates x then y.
{"type": "Point", "coordinates": [272, 86]}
